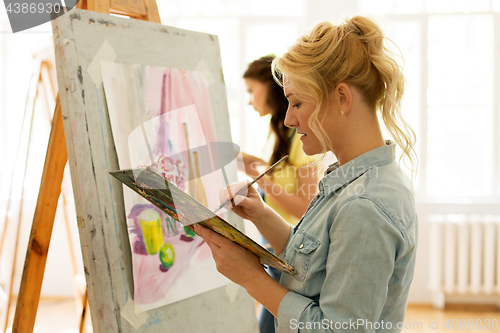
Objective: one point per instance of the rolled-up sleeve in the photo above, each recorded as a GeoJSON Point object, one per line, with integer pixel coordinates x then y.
{"type": "Point", "coordinates": [360, 262]}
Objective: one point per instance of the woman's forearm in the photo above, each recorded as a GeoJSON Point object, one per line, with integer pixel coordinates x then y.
{"type": "Point", "coordinates": [265, 290]}
{"type": "Point", "coordinates": [274, 229]}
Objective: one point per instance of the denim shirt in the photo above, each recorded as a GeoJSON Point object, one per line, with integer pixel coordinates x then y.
{"type": "Point", "coordinates": [354, 250]}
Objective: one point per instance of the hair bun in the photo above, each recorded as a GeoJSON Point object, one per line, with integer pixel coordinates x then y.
{"type": "Point", "coordinates": [365, 28]}
{"type": "Point", "coordinates": [356, 28]}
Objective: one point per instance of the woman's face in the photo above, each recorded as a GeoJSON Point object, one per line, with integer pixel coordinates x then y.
{"type": "Point", "coordinates": [297, 115]}
{"type": "Point", "coordinates": [258, 96]}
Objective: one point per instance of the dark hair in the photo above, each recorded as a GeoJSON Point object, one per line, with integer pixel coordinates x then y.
{"type": "Point", "coordinates": [260, 70]}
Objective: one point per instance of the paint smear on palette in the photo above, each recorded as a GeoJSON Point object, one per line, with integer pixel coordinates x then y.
{"type": "Point", "coordinates": [162, 117]}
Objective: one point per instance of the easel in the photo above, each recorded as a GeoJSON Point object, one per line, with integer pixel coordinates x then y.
{"type": "Point", "coordinates": [42, 85]}
{"type": "Point", "coordinates": [53, 171]}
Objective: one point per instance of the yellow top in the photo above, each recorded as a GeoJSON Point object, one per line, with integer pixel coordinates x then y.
{"type": "Point", "coordinates": [287, 177]}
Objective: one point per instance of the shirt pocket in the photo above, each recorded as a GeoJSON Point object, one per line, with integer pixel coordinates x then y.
{"type": "Point", "coordinates": [302, 249]}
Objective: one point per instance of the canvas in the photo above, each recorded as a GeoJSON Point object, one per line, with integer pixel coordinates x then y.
{"type": "Point", "coordinates": [162, 118]}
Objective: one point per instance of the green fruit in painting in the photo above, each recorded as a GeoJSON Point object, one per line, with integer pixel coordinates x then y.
{"type": "Point", "coordinates": [189, 232]}
{"type": "Point", "coordinates": [167, 255]}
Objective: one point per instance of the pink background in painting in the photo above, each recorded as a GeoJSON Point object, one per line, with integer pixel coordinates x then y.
{"type": "Point", "coordinates": [171, 97]}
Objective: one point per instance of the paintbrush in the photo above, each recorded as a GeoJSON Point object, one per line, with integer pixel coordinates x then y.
{"type": "Point", "coordinates": [222, 205]}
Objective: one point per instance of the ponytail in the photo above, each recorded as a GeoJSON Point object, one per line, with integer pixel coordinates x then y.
{"type": "Point", "coordinates": [391, 76]}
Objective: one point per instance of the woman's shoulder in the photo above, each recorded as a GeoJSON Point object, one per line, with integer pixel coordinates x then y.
{"type": "Point", "coordinates": [385, 189]}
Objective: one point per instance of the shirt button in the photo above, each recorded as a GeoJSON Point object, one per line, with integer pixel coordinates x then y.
{"type": "Point", "coordinates": [301, 246]}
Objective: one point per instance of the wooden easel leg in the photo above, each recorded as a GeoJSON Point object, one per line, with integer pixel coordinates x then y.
{"type": "Point", "coordinates": [43, 221]}
{"type": "Point", "coordinates": [85, 300]}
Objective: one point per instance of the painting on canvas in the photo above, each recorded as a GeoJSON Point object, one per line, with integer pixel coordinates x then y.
{"type": "Point", "coordinates": [162, 118]}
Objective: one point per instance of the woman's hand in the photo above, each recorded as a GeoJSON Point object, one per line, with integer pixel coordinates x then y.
{"type": "Point", "coordinates": [249, 205]}
{"type": "Point", "coordinates": [243, 267]}
{"type": "Point", "coordinates": [233, 261]}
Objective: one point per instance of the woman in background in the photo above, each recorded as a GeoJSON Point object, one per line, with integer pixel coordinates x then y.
{"type": "Point", "coordinates": [291, 185]}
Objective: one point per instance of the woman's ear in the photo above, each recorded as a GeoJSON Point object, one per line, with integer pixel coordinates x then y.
{"type": "Point", "coordinates": [344, 95]}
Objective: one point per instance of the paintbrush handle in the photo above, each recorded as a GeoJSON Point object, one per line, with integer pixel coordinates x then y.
{"type": "Point", "coordinates": [251, 183]}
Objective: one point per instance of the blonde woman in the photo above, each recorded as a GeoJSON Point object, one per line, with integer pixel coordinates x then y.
{"type": "Point", "coordinates": [354, 249]}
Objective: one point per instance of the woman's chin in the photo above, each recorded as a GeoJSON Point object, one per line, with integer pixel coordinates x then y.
{"type": "Point", "coordinates": [310, 150]}
{"type": "Point", "coordinates": [262, 113]}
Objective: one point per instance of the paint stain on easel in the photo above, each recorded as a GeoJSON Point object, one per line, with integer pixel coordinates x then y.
{"type": "Point", "coordinates": [155, 319]}
{"type": "Point", "coordinates": [221, 76]}
{"type": "Point", "coordinates": [37, 248]}
{"type": "Point", "coordinates": [80, 222]}
{"type": "Point", "coordinates": [75, 16]}
{"type": "Point", "coordinates": [80, 78]}
{"type": "Point", "coordinates": [107, 23]}
{"type": "Point", "coordinates": [79, 74]}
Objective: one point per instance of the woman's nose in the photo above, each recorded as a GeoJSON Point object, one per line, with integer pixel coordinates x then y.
{"type": "Point", "coordinates": [290, 120]}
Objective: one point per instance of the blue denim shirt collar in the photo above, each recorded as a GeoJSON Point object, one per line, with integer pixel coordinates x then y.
{"type": "Point", "coordinates": [337, 177]}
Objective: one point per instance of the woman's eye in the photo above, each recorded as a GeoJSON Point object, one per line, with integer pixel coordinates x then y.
{"type": "Point", "coordinates": [296, 105]}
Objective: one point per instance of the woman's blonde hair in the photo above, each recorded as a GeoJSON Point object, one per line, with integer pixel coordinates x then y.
{"type": "Point", "coordinates": [353, 53]}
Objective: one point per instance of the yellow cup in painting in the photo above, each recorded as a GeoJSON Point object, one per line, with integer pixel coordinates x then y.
{"type": "Point", "coordinates": [152, 232]}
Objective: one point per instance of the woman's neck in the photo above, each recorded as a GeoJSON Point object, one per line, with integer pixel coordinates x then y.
{"type": "Point", "coordinates": [363, 136]}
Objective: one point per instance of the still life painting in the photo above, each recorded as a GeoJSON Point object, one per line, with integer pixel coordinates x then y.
{"type": "Point", "coordinates": [162, 118]}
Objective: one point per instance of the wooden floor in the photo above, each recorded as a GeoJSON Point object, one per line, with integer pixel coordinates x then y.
{"type": "Point", "coordinates": [425, 319]}
{"type": "Point", "coordinates": [59, 316]}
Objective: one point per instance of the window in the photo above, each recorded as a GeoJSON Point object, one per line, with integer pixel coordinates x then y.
{"type": "Point", "coordinates": [460, 105]}
{"type": "Point", "coordinates": [449, 54]}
